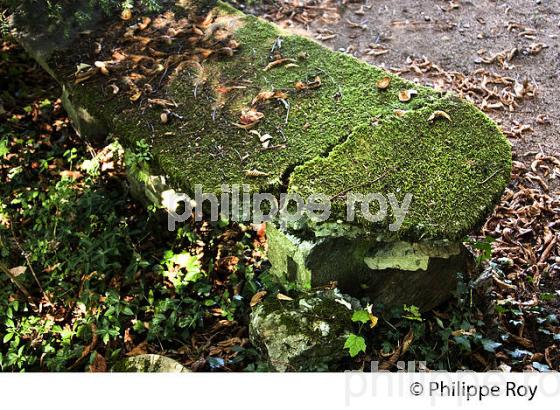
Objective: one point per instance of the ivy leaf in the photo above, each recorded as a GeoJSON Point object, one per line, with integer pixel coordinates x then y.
{"type": "Point", "coordinates": [360, 316]}
{"type": "Point", "coordinates": [355, 344]}
{"type": "Point", "coordinates": [7, 337]}
{"type": "Point", "coordinates": [4, 149]}
{"type": "Point", "coordinates": [463, 342]}
{"type": "Point", "coordinates": [128, 311]}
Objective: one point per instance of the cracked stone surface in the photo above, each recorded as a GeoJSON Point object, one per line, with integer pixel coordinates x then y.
{"type": "Point", "coordinates": [341, 135]}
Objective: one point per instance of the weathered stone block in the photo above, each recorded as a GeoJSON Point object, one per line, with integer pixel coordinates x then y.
{"type": "Point", "coordinates": [423, 274]}
{"type": "Point", "coordinates": [149, 363]}
{"type": "Point", "coordinates": [307, 334]}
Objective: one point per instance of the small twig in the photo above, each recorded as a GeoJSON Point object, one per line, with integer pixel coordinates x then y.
{"type": "Point", "coordinates": [274, 147]}
{"type": "Point", "coordinates": [287, 106]}
{"type": "Point", "coordinates": [344, 192]}
{"type": "Point", "coordinates": [489, 178]}
{"type": "Point", "coordinates": [29, 265]}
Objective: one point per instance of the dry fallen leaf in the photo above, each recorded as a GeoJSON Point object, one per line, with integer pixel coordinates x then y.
{"type": "Point", "coordinates": [161, 102]}
{"type": "Point", "coordinates": [300, 86]}
{"type": "Point", "coordinates": [142, 348]}
{"type": "Point", "coordinates": [316, 83]}
{"type": "Point", "coordinates": [99, 364]}
{"type": "Point", "coordinates": [83, 76]}
{"type": "Point", "coordinates": [204, 52]}
{"type": "Point", "coordinates": [126, 14]}
{"type": "Point", "coordinates": [114, 88]}
{"type": "Point", "coordinates": [383, 83]}
{"type": "Point", "coordinates": [257, 297]}
{"type": "Point", "coordinates": [439, 114]}
{"type": "Point", "coordinates": [144, 24]}
{"type": "Point", "coordinates": [250, 117]}
{"type": "Point", "coordinates": [279, 62]}
{"type": "Point", "coordinates": [18, 270]}
{"type": "Point", "coordinates": [262, 96]}
{"type": "Point", "coordinates": [269, 95]}
{"type": "Point", "coordinates": [373, 320]}
{"type": "Point", "coordinates": [136, 96]}
{"type": "Point", "coordinates": [281, 296]}
{"type": "Point", "coordinates": [102, 66]}
{"type": "Point", "coordinates": [70, 174]}
{"type": "Point", "coordinates": [406, 95]}
{"type": "Point", "coordinates": [255, 173]}
{"type": "Point", "coordinates": [407, 341]}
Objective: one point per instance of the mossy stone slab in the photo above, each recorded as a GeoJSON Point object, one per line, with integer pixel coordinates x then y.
{"type": "Point", "coordinates": [345, 134]}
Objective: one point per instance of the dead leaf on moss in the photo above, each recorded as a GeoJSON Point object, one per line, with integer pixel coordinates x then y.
{"type": "Point", "coordinates": [262, 96]}
{"type": "Point", "coordinates": [250, 117]}
{"type": "Point", "coordinates": [257, 298]}
{"type": "Point", "coordinates": [384, 83]}
{"type": "Point", "coordinates": [406, 95]}
{"type": "Point", "coordinates": [315, 83]}
{"type": "Point", "coordinates": [300, 86]}
{"type": "Point", "coordinates": [255, 173]}
{"type": "Point", "coordinates": [438, 114]}
{"type": "Point", "coordinates": [162, 102]}
{"type": "Point", "coordinates": [279, 62]}
{"type": "Point", "coordinates": [269, 95]}
{"type": "Point", "coordinates": [281, 296]}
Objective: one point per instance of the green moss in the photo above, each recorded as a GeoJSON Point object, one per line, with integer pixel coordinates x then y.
{"type": "Point", "coordinates": [454, 169]}
{"type": "Point", "coordinates": [317, 121]}
{"type": "Point", "coordinates": [343, 135]}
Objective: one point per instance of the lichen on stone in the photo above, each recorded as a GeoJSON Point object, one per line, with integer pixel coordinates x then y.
{"type": "Point", "coordinates": [306, 334]}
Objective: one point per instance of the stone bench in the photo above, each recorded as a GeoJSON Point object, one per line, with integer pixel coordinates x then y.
{"type": "Point", "coordinates": [235, 100]}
